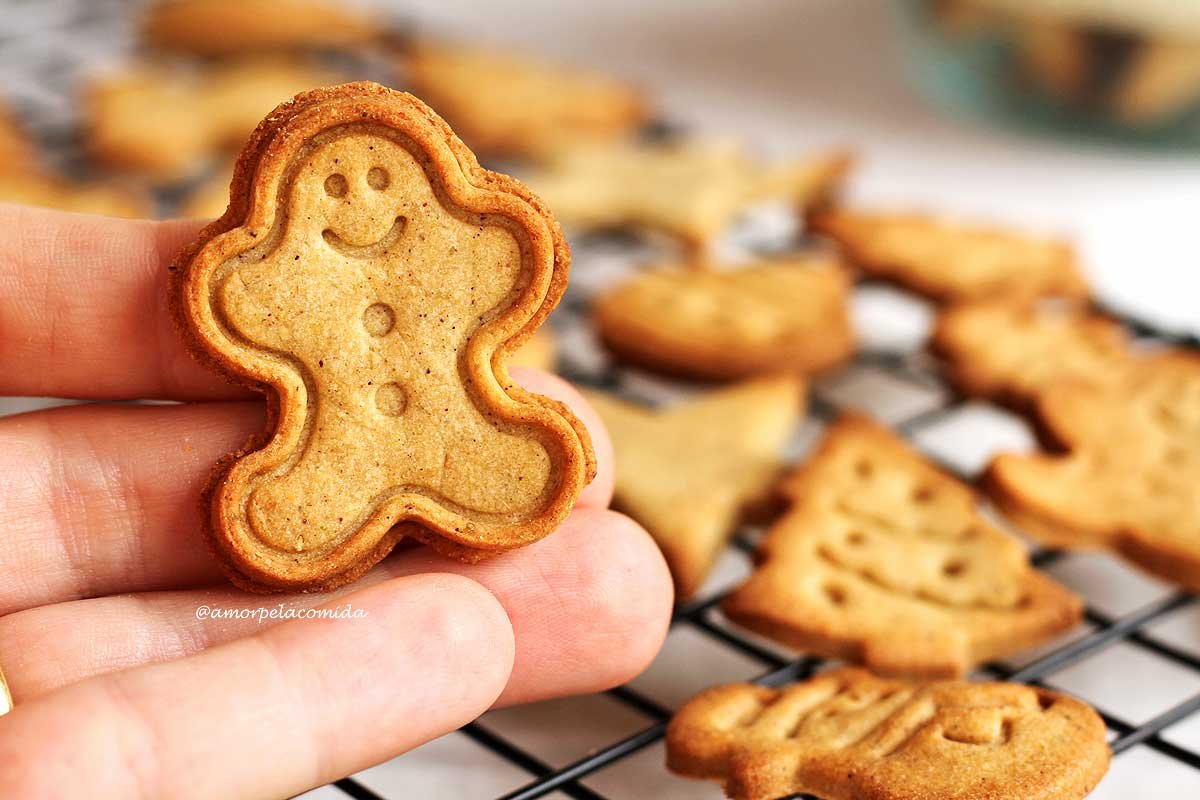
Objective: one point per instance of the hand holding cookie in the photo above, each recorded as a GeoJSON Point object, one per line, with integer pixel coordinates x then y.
{"type": "Point", "coordinates": [100, 623]}
{"type": "Point", "coordinates": [373, 279]}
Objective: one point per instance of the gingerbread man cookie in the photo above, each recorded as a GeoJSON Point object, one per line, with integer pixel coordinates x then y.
{"type": "Point", "coordinates": [373, 280]}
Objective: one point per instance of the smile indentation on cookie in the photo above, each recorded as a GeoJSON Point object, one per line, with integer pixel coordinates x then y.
{"type": "Point", "coordinates": [371, 250]}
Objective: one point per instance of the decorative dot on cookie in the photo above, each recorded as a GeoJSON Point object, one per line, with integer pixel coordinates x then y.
{"type": "Point", "coordinates": [335, 185]}
{"type": "Point", "coordinates": [379, 319]}
{"type": "Point", "coordinates": [375, 279]}
{"type": "Point", "coordinates": [390, 399]}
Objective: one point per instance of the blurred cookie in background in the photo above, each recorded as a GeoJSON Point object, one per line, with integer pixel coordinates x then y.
{"type": "Point", "coordinates": [731, 322]}
{"type": "Point", "coordinates": [209, 198]}
{"type": "Point", "coordinates": [947, 259]}
{"type": "Point", "coordinates": [166, 120]}
{"type": "Point", "coordinates": [226, 27]}
{"type": "Point", "coordinates": [25, 180]}
{"type": "Point", "coordinates": [17, 152]}
{"type": "Point", "coordinates": [689, 189]}
{"type": "Point", "coordinates": [1013, 352]}
{"type": "Point", "coordinates": [46, 191]}
{"type": "Point", "coordinates": [512, 104]}
{"type": "Point", "coordinates": [1161, 82]}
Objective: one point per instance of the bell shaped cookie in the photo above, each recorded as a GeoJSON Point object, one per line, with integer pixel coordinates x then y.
{"type": "Point", "coordinates": [373, 280]}
{"type": "Point", "coordinates": [848, 735]}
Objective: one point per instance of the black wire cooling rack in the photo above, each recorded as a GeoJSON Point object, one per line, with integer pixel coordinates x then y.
{"type": "Point", "coordinates": [911, 366]}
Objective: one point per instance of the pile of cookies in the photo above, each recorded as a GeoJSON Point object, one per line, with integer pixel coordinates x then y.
{"type": "Point", "coordinates": [878, 557]}
{"type": "Point", "coordinates": [160, 132]}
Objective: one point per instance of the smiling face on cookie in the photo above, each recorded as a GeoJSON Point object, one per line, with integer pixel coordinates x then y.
{"type": "Point", "coordinates": [357, 203]}
{"type": "Point", "coordinates": [374, 285]}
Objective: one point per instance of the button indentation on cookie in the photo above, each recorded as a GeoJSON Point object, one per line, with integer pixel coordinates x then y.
{"type": "Point", "coordinates": [379, 319]}
{"type": "Point", "coordinates": [336, 185]}
{"type": "Point", "coordinates": [390, 399]}
{"type": "Point", "coordinates": [378, 178]}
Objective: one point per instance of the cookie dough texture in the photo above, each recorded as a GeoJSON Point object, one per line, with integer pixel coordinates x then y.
{"type": "Point", "coordinates": [689, 472]}
{"type": "Point", "coordinates": [508, 104]}
{"type": "Point", "coordinates": [373, 280]}
{"type": "Point", "coordinates": [948, 260]}
{"type": "Point", "coordinates": [724, 324]}
{"type": "Point", "coordinates": [1014, 352]}
{"type": "Point", "coordinates": [848, 735]}
{"type": "Point", "coordinates": [1122, 469]}
{"type": "Point", "coordinates": [883, 560]}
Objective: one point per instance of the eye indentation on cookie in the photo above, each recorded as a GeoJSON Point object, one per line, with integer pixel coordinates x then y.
{"type": "Point", "coordinates": [856, 538]}
{"type": "Point", "coordinates": [835, 594]}
{"type": "Point", "coordinates": [922, 495]}
{"type": "Point", "coordinates": [954, 568]}
{"type": "Point", "coordinates": [379, 319]}
{"type": "Point", "coordinates": [378, 178]}
{"type": "Point", "coordinates": [390, 399]}
{"type": "Point", "coordinates": [336, 185]}
{"type": "Point", "coordinates": [864, 468]}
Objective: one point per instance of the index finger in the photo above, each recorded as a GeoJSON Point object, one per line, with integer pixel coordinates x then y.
{"type": "Point", "coordinates": [83, 309]}
{"type": "Point", "coordinates": [294, 706]}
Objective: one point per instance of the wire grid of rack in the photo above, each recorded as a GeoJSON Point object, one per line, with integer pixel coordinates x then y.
{"type": "Point", "coordinates": [582, 363]}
